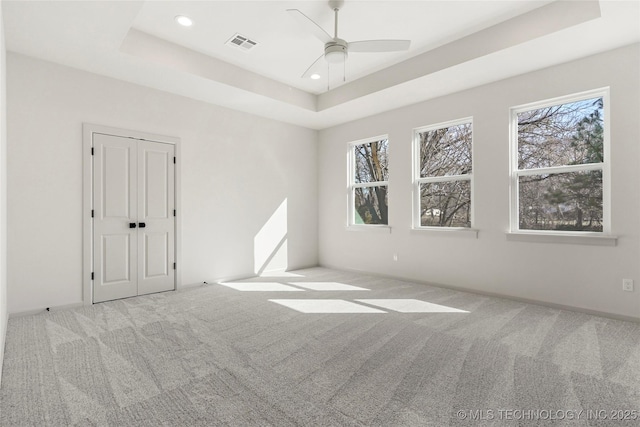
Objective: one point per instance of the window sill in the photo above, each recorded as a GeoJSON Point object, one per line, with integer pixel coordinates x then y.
{"type": "Point", "coordinates": [595, 239]}
{"type": "Point", "coordinates": [374, 228]}
{"type": "Point", "coordinates": [446, 231]}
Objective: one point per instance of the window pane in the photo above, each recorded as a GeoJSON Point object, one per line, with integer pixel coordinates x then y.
{"type": "Point", "coordinates": [560, 135]}
{"type": "Point", "coordinates": [372, 161]}
{"type": "Point", "coordinates": [370, 205]}
{"type": "Point", "coordinates": [446, 151]}
{"type": "Point", "coordinates": [569, 201]}
{"type": "Point", "coordinates": [445, 204]}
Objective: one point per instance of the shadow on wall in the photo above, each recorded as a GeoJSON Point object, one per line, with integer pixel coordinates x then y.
{"type": "Point", "coordinates": [270, 243]}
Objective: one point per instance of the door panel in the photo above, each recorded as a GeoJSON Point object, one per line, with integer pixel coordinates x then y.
{"type": "Point", "coordinates": [157, 259]}
{"type": "Point", "coordinates": [156, 203]}
{"type": "Point", "coordinates": [115, 203]}
{"type": "Point", "coordinates": [116, 259]}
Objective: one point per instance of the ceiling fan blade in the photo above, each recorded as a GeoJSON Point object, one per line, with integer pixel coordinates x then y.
{"type": "Point", "coordinates": [379, 45]}
{"type": "Point", "coordinates": [310, 25]}
{"type": "Point", "coordinates": [312, 67]}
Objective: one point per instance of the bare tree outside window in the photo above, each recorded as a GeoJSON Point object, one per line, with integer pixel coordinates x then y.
{"type": "Point", "coordinates": [444, 169]}
{"type": "Point", "coordinates": [560, 166]}
{"type": "Point", "coordinates": [369, 182]}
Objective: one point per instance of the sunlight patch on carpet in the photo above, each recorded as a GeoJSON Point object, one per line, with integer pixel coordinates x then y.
{"type": "Point", "coordinates": [325, 306]}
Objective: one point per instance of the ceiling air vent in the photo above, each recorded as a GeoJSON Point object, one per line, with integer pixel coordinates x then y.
{"type": "Point", "coordinates": [242, 42]}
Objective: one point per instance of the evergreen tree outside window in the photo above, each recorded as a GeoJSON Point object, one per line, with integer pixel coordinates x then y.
{"type": "Point", "coordinates": [560, 165]}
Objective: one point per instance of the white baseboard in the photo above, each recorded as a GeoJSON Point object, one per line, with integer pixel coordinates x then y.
{"type": "Point", "coordinates": [44, 310]}
{"type": "Point", "coordinates": [492, 294]}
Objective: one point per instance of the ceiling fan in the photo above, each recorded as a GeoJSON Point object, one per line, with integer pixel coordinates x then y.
{"type": "Point", "coordinates": [336, 49]}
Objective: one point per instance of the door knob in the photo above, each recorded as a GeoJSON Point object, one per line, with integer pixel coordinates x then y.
{"type": "Point", "coordinates": [142, 225]}
{"type": "Point", "coordinates": [132, 225]}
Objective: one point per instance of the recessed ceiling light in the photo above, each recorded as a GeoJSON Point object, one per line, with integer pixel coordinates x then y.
{"type": "Point", "coordinates": [185, 21]}
{"type": "Point", "coordinates": [315, 76]}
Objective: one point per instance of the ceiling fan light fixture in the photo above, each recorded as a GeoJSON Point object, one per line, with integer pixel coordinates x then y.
{"type": "Point", "coordinates": [185, 21]}
{"type": "Point", "coordinates": [336, 52]}
{"type": "Point", "coordinates": [335, 57]}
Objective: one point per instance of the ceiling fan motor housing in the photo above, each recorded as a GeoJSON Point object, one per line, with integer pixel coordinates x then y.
{"type": "Point", "coordinates": [336, 4]}
{"type": "Point", "coordinates": [335, 51]}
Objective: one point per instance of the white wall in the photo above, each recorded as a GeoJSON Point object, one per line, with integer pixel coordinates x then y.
{"type": "Point", "coordinates": [3, 193]}
{"type": "Point", "coordinates": [237, 170]}
{"type": "Point", "coordinates": [587, 277]}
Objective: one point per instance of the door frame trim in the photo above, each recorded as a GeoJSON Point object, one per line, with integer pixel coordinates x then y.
{"type": "Point", "coordinates": [88, 130]}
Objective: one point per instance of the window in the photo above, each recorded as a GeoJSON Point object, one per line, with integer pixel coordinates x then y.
{"type": "Point", "coordinates": [443, 175]}
{"type": "Point", "coordinates": [559, 165]}
{"type": "Point", "coordinates": [368, 176]}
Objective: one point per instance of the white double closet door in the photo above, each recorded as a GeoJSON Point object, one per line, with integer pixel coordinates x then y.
{"type": "Point", "coordinates": [134, 217]}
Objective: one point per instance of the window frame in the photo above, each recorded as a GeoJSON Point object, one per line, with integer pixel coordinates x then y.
{"type": "Point", "coordinates": [352, 185]}
{"type": "Point", "coordinates": [604, 166]}
{"type": "Point", "coordinates": [417, 179]}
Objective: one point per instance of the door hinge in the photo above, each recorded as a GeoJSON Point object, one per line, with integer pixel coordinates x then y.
{"type": "Point", "coordinates": [174, 212]}
{"type": "Point", "coordinates": [92, 151]}
{"type": "Point", "coordinates": [91, 275]}
{"type": "Point", "coordinates": [174, 160]}
{"type": "Point", "coordinates": [91, 213]}
{"type": "Point", "coordinates": [174, 265]}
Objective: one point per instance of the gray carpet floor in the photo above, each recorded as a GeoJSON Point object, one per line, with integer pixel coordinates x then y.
{"type": "Point", "coordinates": [307, 350]}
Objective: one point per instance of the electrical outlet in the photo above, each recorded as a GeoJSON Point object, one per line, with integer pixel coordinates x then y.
{"type": "Point", "coordinates": [395, 257]}
{"type": "Point", "coordinates": [627, 285]}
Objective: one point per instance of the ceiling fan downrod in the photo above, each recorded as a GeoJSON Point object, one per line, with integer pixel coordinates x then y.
{"type": "Point", "coordinates": [335, 51]}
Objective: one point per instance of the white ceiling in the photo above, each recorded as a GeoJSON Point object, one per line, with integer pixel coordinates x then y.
{"type": "Point", "coordinates": [455, 45]}
{"type": "Point", "coordinates": [285, 49]}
